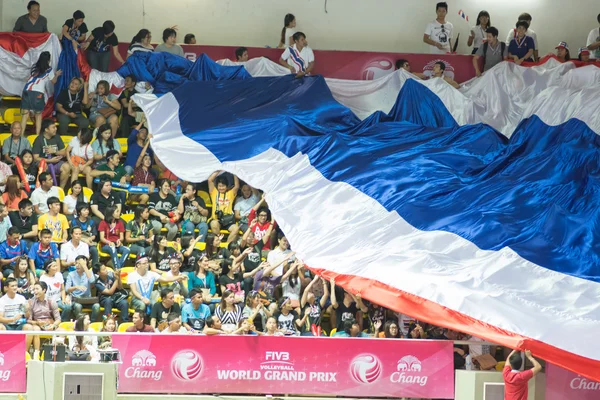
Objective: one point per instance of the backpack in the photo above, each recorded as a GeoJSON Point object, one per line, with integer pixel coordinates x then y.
{"type": "Point", "coordinates": [502, 47]}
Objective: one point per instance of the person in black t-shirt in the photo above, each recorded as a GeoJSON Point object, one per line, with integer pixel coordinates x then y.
{"type": "Point", "coordinates": [68, 106]}
{"type": "Point", "coordinates": [107, 284]}
{"type": "Point", "coordinates": [160, 311]}
{"type": "Point", "coordinates": [74, 29]}
{"type": "Point", "coordinates": [101, 200]}
{"type": "Point", "coordinates": [160, 204]}
{"type": "Point", "coordinates": [25, 221]}
{"type": "Point", "coordinates": [347, 309]}
{"type": "Point", "coordinates": [160, 254]}
{"type": "Point", "coordinates": [99, 43]}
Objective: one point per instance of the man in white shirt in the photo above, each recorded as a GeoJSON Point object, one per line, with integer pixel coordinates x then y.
{"type": "Point", "coordinates": [13, 308]}
{"type": "Point", "coordinates": [40, 196]}
{"type": "Point", "coordinates": [512, 32]}
{"type": "Point", "coordinates": [593, 42]}
{"type": "Point", "coordinates": [298, 58]}
{"type": "Point", "coordinates": [72, 249]}
{"type": "Point", "coordinates": [5, 223]}
{"type": "Point", "coordinates": [438, 34]}
{"type": "Point", "coordinates": [244, 204]}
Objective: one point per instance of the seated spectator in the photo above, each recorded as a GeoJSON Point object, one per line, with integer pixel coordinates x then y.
{"type": "Point", "coordinates": [244, 205]}
{"type": "Point", "coordinates": [265, 283]}
{"type": "Point", "coordinates": [439, 68]}
{"type": "Point", "coordinates": [79, 285]}
{"type": "Point", "coordinates": [313, 307]}
{"type": "Point", "coordinates": [72, 199]}
{"type": "Point", "coordinates": [162, 205]}
{"type": "Point", "coordinates": [255, 312]}
{"type": "Point", "coordinates": [54, 221]}
{"type": "Point", "coordinates": [39, 197]}
{"type": "Point", "coordinates": [299, 58]}
{"type": "Point", "coordinates": [376, 315]}
{"type": "Point", "coordinates": [80, 156]}
{"type": "Point", "coordinates": [261, 227]}
{"type": "Point", "coordinates": [390, 330]}
{"type": "Point", "coordinates": [280, 253]}
{"type": "Point", "coordinates": [195, 314]}
{"type": "Point", "coordinates": [244, 327]}
{"type": "Point", "coordinates": [350, 328]}
{"type": "Point", "coordinates": [102, 103]}
{"type": "Point", "coordinates": [89, 229]}
{"type": "Point", "coordinates": [143, 176]}
{"type": "Point", "coordinates": [562, 52]}
{"type": "Point", "coordinates": [179, 288]}
{"type": "Point", "coordinates": [36, 91]}
{"type": "Point", "coordinates": [5, 172]}
{"type": "Point", "coordinates": [73, 249]}
{"type": "Point", "coordinates": [138, 323]}
{"type": "Point", "coordinates": [127, 121]}
{"type": "Point", "coordinates": [11, 251]}
{"type": "Point", "coordinates": [161, 310]}
{"type": "Point", "coordinates": [190, 38]}
{"type": "Point", "coordinates": [109, 324]}
{"type": "Point", "coordinates": [252, 259]}
{"type": "Point", "coordinates": [102, 199]}
{"type": "Point", "coordinates": [291, 283]}
{"type": "Point", "coordinates": [141, 43]}
{"type": "Point", "coordinates": [137, 141]}
{"type": "Point", "coordinates": [233, 280]}
{"type": "Point", "coordinates": [223, 200]}
{"type": "Point", "coordinates": [50, 146]}
{"type": "Point", "coordinates": [194, 212]}
{"type": "Point", "coordinates": [43, 251]}
{"type": "Point", "coordinates": [14, 145]}
{"type": "Point", "coordinates": [86, 342]}
{"type": "Point", "coordinates": [4, 222]}
{"type": "Point", "coordinates": [69, 104]}
{"type": "Point", "coordinates": [56, 288]}
{"type": "Point", "coordinates": [228, 311]}
{"type": "Point", "coordinates": [583, 55]}
{"type": "Point", "coordinates": [174, 324]}
{"type": "Point", "coordinates": [100, 42]}
{"type": "Point", "coordinates": [478, 32]}
{"type": "Point", "coordinates": [438, 34]}
{"type": "Point", "coordinates": [593, 41]}
{"type": "Point", "coordinates": [522, 46]}
{"type": "Point", "coordinates": [103, 144]}
{"type": "Point", "coordinates": [169, 44]}
{"type": "Point", "coordinates": [25, 221]}
{"type": "Point", "coordinates": [288, 31]}
{"type": "Point", "coordinates": [241, 54]}
{"type": "Point", "coordinates": [493, 52]}
{"type": "Point", "coordinates": [32, 22]}
{"type": "Point", "coordinates": [25, 278]}
{"type": "Point", "coordinates": [202, 279]}
{"type": "Point", "coordinates": [190, 253]}
{"type": "Point", "coordinates": [44, 315]}
{"type": "Point", "coordinates": [271, 329]}
{"type": "Point", "coordinates": [288, 320]}
{"type": "Point", "coordinates": [213, 326]}
{"type": "Point", "coordinates": [13, 309]}
{"type": "Point", "coordinates": [160, 254]}
{"type": "Point", "coordinates": [512, 34]}
{"type": "Point", "coordinates": [75, 30]}
{"type": "Point", "coordinates": [138, 232]}
{"type": "Point", "coordinates": [111, 293]}
{"type": "Point", "coordinates": [141, 283]}
{"type": "Point", "coordinates": [30, 167]}
{"type": "Point", "coordinates": [348, 308]}
{"type": "Point", "coordinates": [112, 237]}
{"type": "Point", "coordinates": [13, 194]}
{"type": "Point", "coordinates": [215, 253]}
{"type": "Point", "coordinates": [112, 170]}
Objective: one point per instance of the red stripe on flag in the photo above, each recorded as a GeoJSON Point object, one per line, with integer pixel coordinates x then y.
{"type": "Point", "coordinates": [20, 42]}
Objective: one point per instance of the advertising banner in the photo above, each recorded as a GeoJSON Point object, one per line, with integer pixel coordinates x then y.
{"type": "Point", "coordinates": [13, 374]}
{"type": "Point", "coordinates": [562, 384]}
{"type": "Point", "coordinates": [285, 365]}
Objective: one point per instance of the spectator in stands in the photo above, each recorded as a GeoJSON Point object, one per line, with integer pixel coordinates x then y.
{"type": "Point", "coordinates": [13, 309]}
{"type": "Point", "coordinates": [73, 249]}
{"type": "Point", "coordinates": [583, 54]}
{"type": "Point", "coordinates": [190, 252]}
{"type": "Point", "coordinates": [160, 254]}
{"type": "Point", "coordinates": [112, 170]}
{"type": "Point", "coordinates": [350, 328]}
{"type": "Point", "coordinates": [279, 254]}
{"type": "Point", "coordinates": [89, 231]}
{"type": "Point", "coordinates": [138, 232]}
{"type": "Point", "coordinates": [50, 146]}
{"type": "Point", "coordinates": [243, 205]}
{"type": "Point", "coordinates": [127, 121]}
{"type": "Point", "coordinates": [271, 329]}
{"type": "Point", "coordinates": [143, 176]}
{"type": "Point", "coordinates": [102, 199]}
{"type": "Point", "coordinates": [291, 284]}
{"type": "Point", "coordinates": [439, 68]}
{"type": "Point", "coordinates": [194, 212]}
{"type": "Point", "coordinates": [137, 141]}
{"type": "Point", "coordinates": [174, 324]}
{"type": "Point", "coordinates": [190, 38]}
{"type": "Point", "coordinates": [516, 383]}
{"type": "Point", "coordinates": [138, 323]}
{"type": "Point", "coordinates": [25, 278]}
{"type": "Point", "coordinates": [103, 144]}
{"type": "Point", "coordinates": [288, 31]}
{"type": "Point", "coordinates": [11, 251]}
{"type": "Point", "coordinates": [75, 29]}
{"type": "Point", "coordinates": [35, 93]}
{"type": "Point", "coordinates": [195, 314]}
{"type": "Point", "coordinates": [39, 197]}
{"type": "Point", "coordinates": [521, 48]}
{"type": "Point", "coordinates": [80, 156]}
{"type": "Point", "coordinates": [313, 307]}
{"type": "Point", "coordinates": [179, 288]}
{"type": "Point", "coordinates": [232, 280]}
{"type": "Point", "coordinates": [348, 308]}
{"type": "Point", "coordinates": [161, 310]}
{"type": "Point", "coordinates": [100, 42]}
{"type": "Point", "coordinates": [390, 330]}
{"type": "Point", "coordinates": [288, 320]}
{"type": "Point", "coordinates": [102, 103]}
{"type": "Point", "coordinates": [438, 34]}
{"type": "Point", "coordinates": [252, 258]}
{"type": "Point", "coordinates": [14, 145]}
{"type": "Point", "coordinates": [255, 312]}
{"type": "Point", "coordinates": [5, 172]}
{"type": "Point", "coordinates": [75, 196]}
{"type": "Point", "coordinates": [4, 222]}
{"type": "Point", "coordinates": [109, 324]}
{"type": "Point", "coordinates": [112, 237]}
{"type": "Point", "coordinates": [68, 106]}
{"type": "Point", "coordinates": [79, 285]}
{"type": "Point", "coordinates": [478, 32]}
{"type": "Point", "coordinates": [44, 315]}
{"type": "Point", "coordinates": [298, 58]}
{"type": "Point", "coordinates": [32, 22]}
{"type": "Point", "coordinates": [202, 279]}
{"type": "Point", "coordinates": [25, 221]}
{"type": "Point", "coordinates": [141, 283]}
{"type": "Point", "coordinates": [223, 200]}
{"type": "Point", "coordinates": [265, 282]}
{"type": "Point", "coordinates": [161, 204]}
{"type": "Point", "coordinates": [241, 54]}
{"type": "Point", "coordinates": [54, 221]}
{"type": "Point", "coordinates": [261, 227]}
{"type": "Point", "coordinates": [215, 253]}
{"type": "Point", "coordinates": [56, 288]}
{"type": "Point", "coordinates": [493, 52]}
{"type": "Point", "coordinates": [111, 293]}
{"type": "Point", "coordinates": [593, 42]}
{"type": "Point", "coordinates": [562, 52]}
{"type": "Point", "coordinates": [141, 43]}
{"type": "Point", "coordinates": [169, 44]}
{"type": "Point", "coordinates": [13, 194]}
{"type": "Point", "coordinates": [228, 311]}
{"type": "Point", "coordinates": [512, 34]}
{"type": "Point", "coordinates": [30, 167]}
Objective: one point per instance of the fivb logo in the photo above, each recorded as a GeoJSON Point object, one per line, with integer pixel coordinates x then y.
{"type": "Point", "coordinates": [409, 372]}
{"type": "Point", "coordinates": [4, 375]}
{"type": "Point", "coordinates": [365, 369]}
{"type": "Point", "coordinates": [277, 356]}
{"type": "Point", "coordinates": [187, 365]}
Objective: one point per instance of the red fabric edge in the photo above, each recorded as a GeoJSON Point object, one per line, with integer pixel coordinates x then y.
{"type": "Point", "coordinates": [20, 42]}
{"type": "Point", "coordinates": [433, 313]}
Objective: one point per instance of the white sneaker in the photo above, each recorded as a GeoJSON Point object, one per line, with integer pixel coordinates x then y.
{"type": "Point", "coordinates": [36, 355]}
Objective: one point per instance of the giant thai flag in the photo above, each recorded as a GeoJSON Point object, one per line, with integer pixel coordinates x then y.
{"type": "Point", "coordinates": [476, 210]}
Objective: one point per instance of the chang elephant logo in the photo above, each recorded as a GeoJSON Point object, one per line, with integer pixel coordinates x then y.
{"type": "Point", "coordinates": [409, 372]}
{"type": "Point", "coordinates": [365, 369]}
{"type": "Point", "coordinates": [143, 366]}
{"type": "Point", "coordinates": [409, 364]}
{"type": "Point", "coordinates": [143, 358]}
{"type": "Point", "coordinates": [186, 365]}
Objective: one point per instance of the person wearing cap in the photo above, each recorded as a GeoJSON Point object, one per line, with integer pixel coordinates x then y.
{"type": "Point", "coordinates": [584, 54]}
{"type": "Point", "coordinates": [112, 170]}
{"type": "Point", "coordinates": [593, 42]}
{"type": "Point", "coordinates": [562, 52]}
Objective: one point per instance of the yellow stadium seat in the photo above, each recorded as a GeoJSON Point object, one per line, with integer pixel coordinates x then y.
{"type": "Point", "coordinates": [97, 326]}
{"type": "Point", "coordinates": [67, 326]}
{"type": "Point", "coordinates": [127, 217]}
{"type": "Point", "coordinates": [206, 197]}
{"type": "Point", "coordinates": [14, 114]}
{"type": "Point", "coordinates": [4, 136]}
{"type": "Point", "coordinates": [11, 98]}
{"type": "Point", "coordinates": [31, 139]}
{"type": "Point", "coordinates": [123, 327]}
{"type": "Point", "coordinates": [200, 246]}
{"type": "Point", "coordinates": [333, 331]}
{"type": "Point", "coordinates": [175, 245]}
{"type": "Point", "coordinates": [123, 144]}
{"type": "Point", "coordinates": [67, 139]}
{"type": "Point", "coordinates": [61, 193]}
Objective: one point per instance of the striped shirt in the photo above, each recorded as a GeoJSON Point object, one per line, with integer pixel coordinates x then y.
{"type": "Point", "coordinates": [229, 319]}
{"type": "Point", "coordinates": [139, 47]}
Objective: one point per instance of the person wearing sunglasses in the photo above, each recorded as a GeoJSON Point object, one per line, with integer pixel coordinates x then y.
{"type": "Point", "coordinates": [438, 34]}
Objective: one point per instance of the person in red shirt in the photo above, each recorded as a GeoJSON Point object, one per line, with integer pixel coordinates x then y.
{"type": "Point", "coordinates": [516, 382]}
{"type": "Point", "coordinates": [112, 231]}
{"type": "Point", "coordinates": [262, 224]}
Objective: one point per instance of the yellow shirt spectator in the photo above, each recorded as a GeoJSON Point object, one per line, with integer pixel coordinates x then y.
{"type": "Point", "coordinates": [57, 224]}
{"type": "Point", "coordinates": [222, 201]}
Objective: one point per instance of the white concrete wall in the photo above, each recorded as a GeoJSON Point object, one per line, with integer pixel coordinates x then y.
{"type": "Point", "coordinates": [381, 25]}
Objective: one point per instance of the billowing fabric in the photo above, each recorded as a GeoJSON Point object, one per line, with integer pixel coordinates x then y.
{"type": "Point", "coordinates": [258, 67]}
{"type": "Point", "coordinates": [73, 64]}
{"type": "Point", "coordinates": [496, 236]}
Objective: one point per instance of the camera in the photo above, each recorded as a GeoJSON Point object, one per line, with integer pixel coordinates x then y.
{"type": "Point", "coordinates": [219, 214]}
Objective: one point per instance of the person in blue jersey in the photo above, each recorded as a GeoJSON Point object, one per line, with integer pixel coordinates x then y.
{"type": "Point", "coordinates": [521, 47]}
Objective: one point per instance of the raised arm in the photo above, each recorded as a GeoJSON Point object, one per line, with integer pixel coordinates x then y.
{"type": "Point", "coordinates": [537, 367]}
{"type": "Point", "coordinates": [306, 290]}
{"type": "Point", "coordinates": [325, 293]}
{"type": "Point", "coordinates": [211, 180]}
{"type": "Point", "coordinates": [236, 184]}
{"type": "Point", "coordinates": [359, 302]}
{"type": "Point", "coordinates": [334, 302]}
